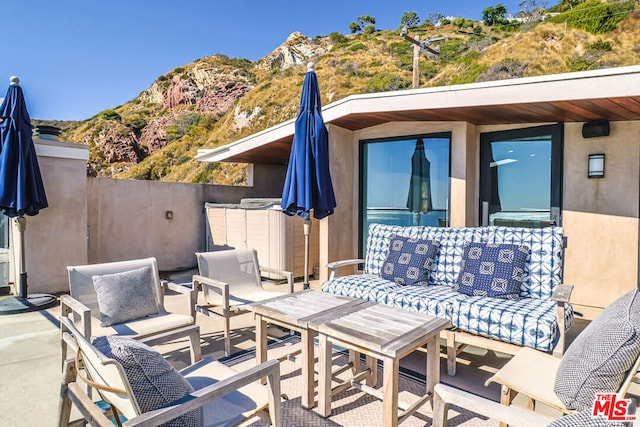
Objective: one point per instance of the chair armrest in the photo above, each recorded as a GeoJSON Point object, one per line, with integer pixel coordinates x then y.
{"type": "Point", "coordinates": [216, 285]}
{"type": "Point", "coordinates": [70, 305]}
{"type": "Point", "coordinates": [562, 293]}
{"type": "Point", "coordinates": [335, 265]}
{"type": "Point", "coordinates": [287, 274]}
{"type": "Point", "coordinates": [190, 292]}
{"type": "Point", "coordinates": [445, 396]}
{"type": "Point", "coordinates": [199, 398]}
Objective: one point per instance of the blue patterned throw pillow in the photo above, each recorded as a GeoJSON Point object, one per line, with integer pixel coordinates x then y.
{"type": "Point", "coordinates": [409, 260]}
{"type": "Point", "coordinates": [492, 270]}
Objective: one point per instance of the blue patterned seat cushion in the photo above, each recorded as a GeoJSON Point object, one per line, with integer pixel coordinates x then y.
{"type": "Point", "coordinates": [492, 270]}
{"type": "Point", "coordinates": [368, 287]}
{"type": "Point", "coordinates": [434, 300]}
{"type": "Point", "coordinates": [527, 322]}
{"type": "Point", "coordinates": [409, 260]}
{"type": "Point", "coordinates": [543, 272]}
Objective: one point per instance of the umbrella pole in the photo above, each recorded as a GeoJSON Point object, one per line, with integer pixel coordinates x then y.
{"type": "Point", "coordinates": [306, 228]}
{"type": "Point", "coordinates": [22, 284]}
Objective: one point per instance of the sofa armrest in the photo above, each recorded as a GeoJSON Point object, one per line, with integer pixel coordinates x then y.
{"type": "Point", "coordinates": [335, 265]}
{"type": "Point", "coordinates": [562, 293]}
{"type": "Point", "coordinates": [287, 274]}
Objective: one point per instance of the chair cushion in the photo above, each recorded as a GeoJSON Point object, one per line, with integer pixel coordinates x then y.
{"type": "Point", "coordinates": [154, 382]}
{"type": "Point", "coordinates": [584, 419]}
{"type": "Point", "coordinates": [125, 296]}
{"type": "Point", "coordinates": [601, 355]}
{"type": "Point", "coordinates": [492, 270]}
{"type": "Point", "coordinates": [409, 260]}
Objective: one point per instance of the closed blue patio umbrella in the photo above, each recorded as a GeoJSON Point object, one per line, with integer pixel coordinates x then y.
{"type": "Point", "coordinates": [419, 197]}
{"type": "Point", "coordinates": [21, 189]}
{"type": "Point", "coordinates": [308, 186]}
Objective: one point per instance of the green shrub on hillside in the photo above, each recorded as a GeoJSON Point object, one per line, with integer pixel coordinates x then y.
{"type": "Point", "coordinates": [110, 115]}
{"type": "Point", "coordinates": [595, 16]}
{"type": "Point", "coordinates": [451, 50]}
{"type": "Point", "coordinates": [386, 83]}
{"type": "Point", "coordinates": [470, 74]}
{"type": "Point", "coordinates": [337, 38]}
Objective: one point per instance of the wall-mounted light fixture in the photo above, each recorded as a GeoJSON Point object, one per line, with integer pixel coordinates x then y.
{"type": "Point", "coordinates": [168, 214]}
{"type": "Point", "coordinates": [596, 165]}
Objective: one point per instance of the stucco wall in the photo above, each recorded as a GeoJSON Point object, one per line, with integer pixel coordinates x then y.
{"type": "Point", "coordinates": [128, 219]}
{"type": "Point", "coordinates": [600, 216]}
{"type": "Point", "coordinates": [56, 237]}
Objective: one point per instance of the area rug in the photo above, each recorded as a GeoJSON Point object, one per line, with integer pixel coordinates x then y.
{"type": "Point", "coordinates": [350, 407]}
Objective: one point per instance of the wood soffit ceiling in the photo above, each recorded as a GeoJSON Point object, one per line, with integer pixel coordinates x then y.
{"type": "Point", "coordinates": [583, 110]}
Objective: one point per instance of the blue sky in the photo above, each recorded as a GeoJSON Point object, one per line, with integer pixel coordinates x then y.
{"type": "Point", "coordinates": [76, 58]}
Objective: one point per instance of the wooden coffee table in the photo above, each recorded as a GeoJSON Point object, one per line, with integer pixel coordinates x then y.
{"type": "Point", "coordinates": [379, 332]}
{"type": "Point", "coordinates": [295, 311]}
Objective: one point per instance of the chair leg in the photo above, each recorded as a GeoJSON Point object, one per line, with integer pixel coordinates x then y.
{"type": "Point", "coordinates": [451, 353]}
{"type": "Point", "coordinates": [275, 406]}
{"type": "Point", "coordinates": [227, 335]}
{"type": "Point", "coordinates": [69, 375]}
{"type": "Point", "coordinates": [506, 395]}
{"type": "Point", "coordinates": [194, 346]}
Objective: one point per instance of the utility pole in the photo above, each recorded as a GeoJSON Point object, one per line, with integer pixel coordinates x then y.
{"type": "Point", "coordinates": [419, 47]}
{"type": "Point", "coordinates": [416, 64]}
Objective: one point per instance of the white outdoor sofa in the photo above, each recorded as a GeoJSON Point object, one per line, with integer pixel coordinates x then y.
{"type": "Point", "coordinates": [538, 319]}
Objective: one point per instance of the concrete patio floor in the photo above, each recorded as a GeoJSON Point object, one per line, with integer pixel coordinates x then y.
{"type": "Point", "coordinates": [30, 369]}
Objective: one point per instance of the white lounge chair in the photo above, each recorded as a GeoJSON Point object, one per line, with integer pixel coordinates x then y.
{"type": "Point", "coordinates": [82, 306]}
{"type": "Point", "coordinates": [141, 378]}
{"type": "Point", "coordinates": [231, 280]}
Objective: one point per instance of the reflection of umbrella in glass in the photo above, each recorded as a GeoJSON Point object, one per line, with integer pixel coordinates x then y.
{"type": "Point", "coordinates": [21, 188]}
{"type": "Point", "coordinates": [419, 198]}
{"type": "Point", "coordinates": [308, 183]}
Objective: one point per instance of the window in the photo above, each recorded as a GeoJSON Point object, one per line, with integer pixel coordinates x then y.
{"type": "Point", "coordinates": [404, 181]}
{"type": "Point", "coordinates": [521, 177]}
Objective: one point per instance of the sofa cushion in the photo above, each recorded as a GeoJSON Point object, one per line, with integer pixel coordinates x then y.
{"type": "Point", "coordinates": [527, 322]}
{"type": "Point", "coordinates": [434, 300]}
{"type": "Point", "coordinates": [125, 296]}
{"type": "Point", "coordinates": [154, 382]}
{"type": "Point", "coordinates": [368, 287]}
{"type": "Point", "coordinates": [409, 260]}
{"type": "Point", "coordinates": [601, 355]}
{"type": "Point", "coordinates": [543, 271]}
{"type": "Point", "coordinates": [378, 239]}
{"type": "Point", "coordinates": [447, 264]}
{"type": "Point", "coordinates": [492, 270]}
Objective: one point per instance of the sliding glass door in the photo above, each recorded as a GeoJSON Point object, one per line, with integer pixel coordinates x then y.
{"type": "Point", "coordinates": [405, 181]}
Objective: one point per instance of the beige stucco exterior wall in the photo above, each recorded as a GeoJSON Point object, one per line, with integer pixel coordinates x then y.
{"type": "Point", "coordinates": [128, 219]}
{"type": "Point", "coordinates": [600, 216]}
{"type": "Point", "coordinates": [56, 237]}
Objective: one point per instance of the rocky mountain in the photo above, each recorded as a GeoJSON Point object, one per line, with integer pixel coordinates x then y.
{"type": "Point", "coordinates": [216, 100]}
